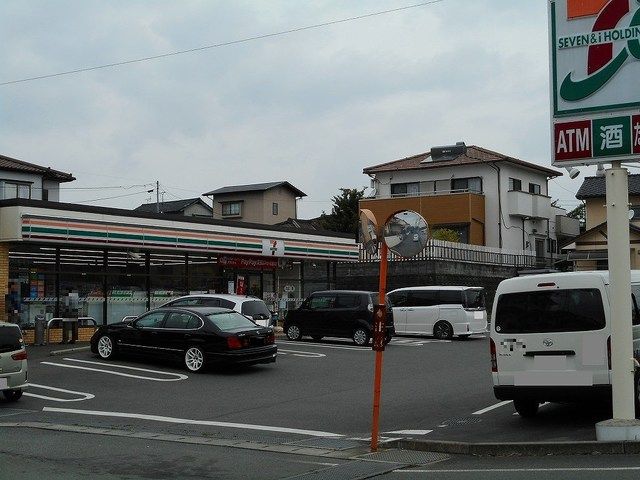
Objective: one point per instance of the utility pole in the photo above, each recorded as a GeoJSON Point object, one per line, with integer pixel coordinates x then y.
{"type": "Point", "coordinates": [157, 196]}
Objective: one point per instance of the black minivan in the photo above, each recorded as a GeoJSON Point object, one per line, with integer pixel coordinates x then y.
{"type": "Point", "coordinates": [337, 313]}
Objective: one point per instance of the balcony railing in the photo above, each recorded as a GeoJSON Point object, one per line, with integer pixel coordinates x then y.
{"type": "Point", "coordinates": [462, 252]}
{"type": "Point", "coordinates": [427, 194]}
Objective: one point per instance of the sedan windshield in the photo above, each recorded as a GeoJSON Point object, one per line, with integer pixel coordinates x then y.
{"type": "Point", "coordinates": [230, 321]}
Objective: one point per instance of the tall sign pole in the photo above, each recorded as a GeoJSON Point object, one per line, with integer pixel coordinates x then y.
{"type": "Point", "coordinates": [595, 105]}
{"type": "Point", "coordinates": [380, 314]}
{"type": "Point", "coordinates": [622, 366]}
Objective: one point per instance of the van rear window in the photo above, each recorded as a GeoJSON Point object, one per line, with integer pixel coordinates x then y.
{"type": "Point", "coordinates": [573, 310]}
{"type": "Point", "coordinates": [474, 299]}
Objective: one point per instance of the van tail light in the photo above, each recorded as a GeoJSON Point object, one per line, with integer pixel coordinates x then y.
{"type": "Point", "coordinates": [21, 355]}
{"type": "Point", "coordinates": [494, 359]}
{"type": "Point", "coordinates": [609, 351]}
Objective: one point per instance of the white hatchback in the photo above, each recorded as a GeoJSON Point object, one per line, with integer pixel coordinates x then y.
{"type": "Point", "coordinates": [13, 361]}
{"type": "Point", "coordinates": [251, 307]}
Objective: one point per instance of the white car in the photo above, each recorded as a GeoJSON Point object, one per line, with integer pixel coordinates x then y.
{"type": "Point", "coordinates": [13, 362]}
{"type": "Point", "coordinates": [251, 307]}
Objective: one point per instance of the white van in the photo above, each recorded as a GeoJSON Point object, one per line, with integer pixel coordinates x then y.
{"type": "Point", "coordinates": [550, 338]}
{"type": "Point", "coordinates": [439, 311]}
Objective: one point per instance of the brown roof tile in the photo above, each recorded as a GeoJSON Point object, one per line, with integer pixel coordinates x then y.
{"type": "Point", "coordinates": [473, 155]}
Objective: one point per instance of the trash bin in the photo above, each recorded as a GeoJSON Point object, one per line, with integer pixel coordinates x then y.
{"type": "Point", "coordinates": [69, 330]}
{"type": "Point", "coordinates": [40, 325]}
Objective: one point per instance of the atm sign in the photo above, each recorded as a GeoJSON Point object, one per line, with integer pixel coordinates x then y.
{"type": "Point", "coordinates": [593, 141]}
{"type": "Point", "coordinates": [572, 140]}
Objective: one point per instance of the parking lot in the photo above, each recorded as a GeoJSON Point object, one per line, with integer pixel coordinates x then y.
{"type": "Point", "coordinates": [432, 389]}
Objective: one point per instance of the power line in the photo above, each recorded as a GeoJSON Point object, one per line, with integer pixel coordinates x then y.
{"type": "Point", "coordinates": [109, 198]}
{"type": "Point", "coordinates": [224, 44]}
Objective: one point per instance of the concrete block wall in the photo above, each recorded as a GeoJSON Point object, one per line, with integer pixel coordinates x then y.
{"type": "Point", "coordinates": [4, 279]}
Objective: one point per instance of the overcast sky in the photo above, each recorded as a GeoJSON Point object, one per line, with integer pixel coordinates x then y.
{"type": "Point", "coordinates": [313, 107]}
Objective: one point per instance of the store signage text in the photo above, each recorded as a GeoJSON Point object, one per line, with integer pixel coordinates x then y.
{"type": "Point", "coordinates": [601, 137]}
{"type": "Point", "coordinates": [249, 263]}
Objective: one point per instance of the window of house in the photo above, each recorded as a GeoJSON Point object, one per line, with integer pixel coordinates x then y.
{"type": "Point", "coordinates": [428, 186]}
{"type": "Point", "coordinates": [515, 184]}
{"type": "Point", "coordinates": [231, 208]}
{"type": "Point", "coordinates": [534, 188]}
{"type": "Point", "coordinates": [16, 190]}
{"type": "Point", "coordinates": [404, 189]}
{"type": "Point", "coordinates": [473, 184]}
{"type": "Point", "coordinates": [274, 208]}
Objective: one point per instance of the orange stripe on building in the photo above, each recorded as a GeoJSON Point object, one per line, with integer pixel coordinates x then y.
{"type": "Point", "coordinates": [584, 8]}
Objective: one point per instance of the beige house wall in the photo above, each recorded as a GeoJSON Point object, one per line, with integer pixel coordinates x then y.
{"type": "Point", "coordinates": [597, 240]}
{"type": "Point", "coordinates": [597, 210]}
{"type": "Point", "coordinates": [257, 206]}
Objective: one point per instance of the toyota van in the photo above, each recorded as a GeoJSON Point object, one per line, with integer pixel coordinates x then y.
{"type": "Point", "coordinates": [551, 338]}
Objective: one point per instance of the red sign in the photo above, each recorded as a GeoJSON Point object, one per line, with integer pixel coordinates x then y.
{"type": "Point", "coordinates": [240, 286]}
{"type": "Point", "coordinates": [248, 263]}
{"type": "Point", "coordinates": [635, 133]}
{"type": "Point", "coordinates": [379, 333]}
{"type": "Point", "coordinates": [572, 140]}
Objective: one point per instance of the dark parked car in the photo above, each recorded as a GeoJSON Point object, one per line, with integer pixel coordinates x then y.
{"type": "Point", "coordinates": [197, 335]}
{"type": "Point", "coordinates": [337, 313]}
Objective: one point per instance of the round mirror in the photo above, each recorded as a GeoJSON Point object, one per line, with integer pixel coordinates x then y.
{"type": "Point", "coordinates": [369, 231]}
{"type": "Point", "coordinates": [406, 233]}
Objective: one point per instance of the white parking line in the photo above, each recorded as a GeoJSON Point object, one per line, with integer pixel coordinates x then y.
{"type": "Point", "coordinates": [298, 353]}
{"type": "Point", "coordinates": [83, 395]}
{"type": "Point", "coordinates": [411, 432]}
{"type": "Point", "coordinates": [336, 347]}
{"type": "Point", "coordinates": [187, 421]}
{"type": "Point", "coordinates": [177, 376]}
{"type": "Point", "coordinates": [506, 470]}
{"type": "Point", "coordinates": [492, 407]}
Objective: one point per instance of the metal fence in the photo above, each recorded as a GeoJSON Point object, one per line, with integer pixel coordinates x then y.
{"type": "Point", "coordinates": [462, 252]}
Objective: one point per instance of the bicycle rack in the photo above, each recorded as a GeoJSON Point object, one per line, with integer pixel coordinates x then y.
{"type": "Point", "coordinates": [79, 321]}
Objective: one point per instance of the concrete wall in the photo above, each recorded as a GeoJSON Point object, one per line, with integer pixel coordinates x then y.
{"type": "Point", "coordinates": [365, 276]}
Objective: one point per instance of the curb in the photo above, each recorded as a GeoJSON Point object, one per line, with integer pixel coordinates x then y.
{"type": "Point", "coordinates": [68, 350]}
{"type": "Point", "coordinates": [528, 449]}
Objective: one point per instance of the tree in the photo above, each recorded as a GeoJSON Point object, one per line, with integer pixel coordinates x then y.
{"type": "Point", "coordinates": [445, 234]}
{"type": "Point", "coordinates": [345, 212]}
{"type": "Point", "coordinates": [581, 214]}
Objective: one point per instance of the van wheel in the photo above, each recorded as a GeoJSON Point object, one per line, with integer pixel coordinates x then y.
{"type": "Point", "coordinates": [293, 332]}
{"type": "Point", "coordinates": [12, 395]}
{"type": "Point", "coordinates": [361, 336]}
{"type": "Point", "coordinates": [443, 330]}
{"type": "Point", "coordinates": [526, 408]}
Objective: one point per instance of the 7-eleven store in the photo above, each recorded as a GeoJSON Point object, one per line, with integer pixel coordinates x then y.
{"type": "Point", "coordinates": [68, 260]}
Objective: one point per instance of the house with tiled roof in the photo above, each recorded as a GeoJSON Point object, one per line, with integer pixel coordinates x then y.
{"type": "Point", "coordinates": [20, 179]}
{"type": "Point", "coordinates": [589, 250]}
{"type": "Point", "coordinates": [487, 198]}
{"type": "Point", "coordinates": [267, 203]}
{"type": "Point", "coordinates": [191, 207]}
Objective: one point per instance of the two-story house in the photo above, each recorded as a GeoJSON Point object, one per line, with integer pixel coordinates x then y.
{"type": "Point", "coordinates": [20, 179]}
{"type": "Point", "coordinates": [589, 250]}
{"type": "Point", "coordinates": [265, 203]}
{"type": "Point", "coordinates": [488, 198]}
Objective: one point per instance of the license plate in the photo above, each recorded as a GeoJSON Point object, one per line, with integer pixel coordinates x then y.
{"type": "Point", "coordinates": [3, 383]}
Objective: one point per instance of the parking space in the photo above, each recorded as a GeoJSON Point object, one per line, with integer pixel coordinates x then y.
{"type": "Point", "coordinates": [432, 389]}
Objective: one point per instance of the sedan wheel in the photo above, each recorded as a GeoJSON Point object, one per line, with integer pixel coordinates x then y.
{"type": "Point", "coordinates": [105, 347]}
{"type": "Point", "coordinates": [293, 332]}
{"type": "Point", "coordinates": [361, 336]}
{"type": "Point", "coordinates": [194, 359]}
